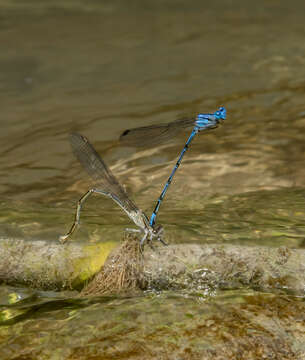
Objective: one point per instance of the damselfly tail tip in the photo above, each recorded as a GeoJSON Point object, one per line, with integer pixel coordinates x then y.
{"type": "Point", "coordinates": [63, 238]}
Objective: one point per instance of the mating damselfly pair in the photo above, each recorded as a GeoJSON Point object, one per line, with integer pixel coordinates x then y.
{"type": "Point", "coordinates": [106, 184]}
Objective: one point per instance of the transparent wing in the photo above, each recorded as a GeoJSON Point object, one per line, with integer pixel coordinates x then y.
{"type": "Point", "coordinates": [99, 172]}
{"type": "Point", "coordinates": [154, 134]}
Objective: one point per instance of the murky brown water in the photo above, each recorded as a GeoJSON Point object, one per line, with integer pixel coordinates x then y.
{"type": "Point", "coordinates": [101, 67]}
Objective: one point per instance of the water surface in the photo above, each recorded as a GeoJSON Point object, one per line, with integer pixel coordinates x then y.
{"type": "Point", "coordinates": [101, 67]}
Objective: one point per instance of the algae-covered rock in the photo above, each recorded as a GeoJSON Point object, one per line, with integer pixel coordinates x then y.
{"type": "Point", "coordinates": [184, 266]}
{"type": "Point", "coordinates": [227, 266]}
{"type": "Point", "coordinates": [44, 264]}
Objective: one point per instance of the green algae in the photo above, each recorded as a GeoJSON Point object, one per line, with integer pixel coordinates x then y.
{"type": "Point", "coordinates": [94, 257]}
{"type": "Point", "coordinates": [42, 264]}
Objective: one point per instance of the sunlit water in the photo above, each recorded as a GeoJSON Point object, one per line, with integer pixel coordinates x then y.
{"type": "Point", "coordinates": [99, 68]}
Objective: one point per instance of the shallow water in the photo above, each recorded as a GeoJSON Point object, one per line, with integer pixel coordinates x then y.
{"type": "Point", "coordinates": [99, 68]}
{"type": "Point", "coordinates": [167, 325]}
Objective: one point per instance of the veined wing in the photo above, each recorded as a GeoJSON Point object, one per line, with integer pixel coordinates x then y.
{"type": "Point", "coordinates": [154, 134]}
{"type": "Point", "coordinates": [100, 173]}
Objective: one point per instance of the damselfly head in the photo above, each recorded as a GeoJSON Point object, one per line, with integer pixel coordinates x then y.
{"type": "Point", "coordinates": [157, 233]}
{"type": "Point", "coordinates": [157, 230]}
{"type": "Point", "coordinates": [221, 113]}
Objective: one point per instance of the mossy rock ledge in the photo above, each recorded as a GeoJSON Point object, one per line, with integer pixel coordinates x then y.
{"type": "Point", "coordinates": [50, 265]}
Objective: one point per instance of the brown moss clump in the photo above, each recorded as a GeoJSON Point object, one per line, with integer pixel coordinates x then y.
{"type": "Point", "coordinates": [121, 271]}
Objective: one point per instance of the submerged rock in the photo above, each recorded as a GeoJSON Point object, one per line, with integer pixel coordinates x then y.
{"type": "Point", "coordinates": [226, 266]}
{"type": "Point", "coordinates": [209, 310]}
{"type": "Point", "coordinates": [43, 264]}
{"type": "Point", "coordinates": [47, 265]}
